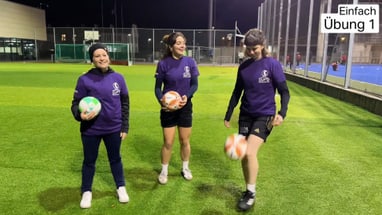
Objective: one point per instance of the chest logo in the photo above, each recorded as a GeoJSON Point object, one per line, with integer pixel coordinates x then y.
{"type": "Point", "coordinates": [186, 73]}
{"type": "Point", "coordinates": [264, 79]}
{"type": "Point", "coordinates": [116, 90]}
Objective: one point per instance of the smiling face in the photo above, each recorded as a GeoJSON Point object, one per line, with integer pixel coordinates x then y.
{"type": "Point", "coordinates": [178, 48]}
{"type": "Point", "coordinates": [101, 59]}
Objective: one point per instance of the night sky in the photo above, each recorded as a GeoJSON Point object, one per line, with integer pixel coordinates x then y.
{"type": "Point", "coordinates": [181, 14]}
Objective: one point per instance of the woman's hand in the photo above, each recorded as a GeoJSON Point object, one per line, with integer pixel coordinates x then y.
{"type": "Point", "coordinates": [183, 101]}
{"type": "Point", "coordinates": [278, 120]}
{"type": "Point", "coordinates": [227, 124]}
{"type": "Point", "coordinates": [123, 135]}
{"type": "Point", "coordinates": [88, 116]}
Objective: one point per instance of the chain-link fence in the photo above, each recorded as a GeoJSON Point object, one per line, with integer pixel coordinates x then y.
{"type": "Point", "coordinates": [347, 60]}
{"type": "Point", "coordinates": [293, 35]}
{"type": "Point", "coordinates": [206, 46]}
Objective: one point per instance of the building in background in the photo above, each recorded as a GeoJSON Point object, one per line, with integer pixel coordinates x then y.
{"type": "Point", "coordinates": [21, 27]}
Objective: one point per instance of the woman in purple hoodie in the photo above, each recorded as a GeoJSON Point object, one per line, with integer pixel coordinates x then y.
{"type": "Point", "coordinates": [257, 80]}
{"type": "Point", "coordinates": [111, 125]}
{"type": "Point", "coordinates": [179, 73]}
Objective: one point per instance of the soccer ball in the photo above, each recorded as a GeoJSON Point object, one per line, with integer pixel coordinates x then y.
{"type": "Point", "coordinates": [90, 104]}
{"type": "Point", "coordinates": [171, 100]}
{"type": "Point", "coordinates": [235, 146]}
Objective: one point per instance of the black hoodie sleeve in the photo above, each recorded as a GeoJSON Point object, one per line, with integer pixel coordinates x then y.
{"type": "Point", "coordinates": [125, 101]}
{"type": "Point", "coordinates": [235, 97]}
{"type": "Point", "coordinates": [193, 87]}
{"type": "Point", "coordinates": [283, 90]}
{"type": "Point", "coordinates": [158, 90]}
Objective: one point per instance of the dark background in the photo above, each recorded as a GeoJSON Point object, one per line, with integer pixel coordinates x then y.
{"type": "Point", "coordinates": [186, 14]}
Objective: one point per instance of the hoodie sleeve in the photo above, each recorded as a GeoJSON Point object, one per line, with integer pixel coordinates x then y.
{"type": "Point", "coordinates": [125, 101]}
{"type": "Point", "coordinates": [79, 93]}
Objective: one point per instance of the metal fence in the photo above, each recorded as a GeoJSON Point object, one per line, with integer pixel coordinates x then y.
{"type": "Point", "coordinates": [206, 46]}
{"type": "Point", "coordinates": [293, 37]}
{"type": "Point", "coordinates": [294, 29]}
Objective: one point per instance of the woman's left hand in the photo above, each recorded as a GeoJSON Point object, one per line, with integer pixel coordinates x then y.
{"type": "Point", "coordinates": [88, 116]}
{"type": "Point", "coordinates": [183, 102]}
{"type": "Point", "coordinates": [277, 120]}
{"type": "Point", "coordinates": [123, 135]}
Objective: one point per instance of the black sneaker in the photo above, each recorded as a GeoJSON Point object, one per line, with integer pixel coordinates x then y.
{"type": "Point", "coordinates": [246, 201]}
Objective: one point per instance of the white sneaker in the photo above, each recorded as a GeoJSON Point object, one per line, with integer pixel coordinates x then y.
{"type": "Point", "coordinates": [86, 201]}
{"type": "Point", "coordinates": [186, 173]}
{"type": "Point", "coordinates": [162, 178]}
{"type": "Point", "coordinates": [122, 195]}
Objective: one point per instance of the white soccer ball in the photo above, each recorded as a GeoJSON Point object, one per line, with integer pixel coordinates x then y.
{"type": "Point", "coordinates": [235, 146]}
{"type": "Point", "coordinates": [171, 100]}
{"type": "Point", "coordinates": [90, 104]}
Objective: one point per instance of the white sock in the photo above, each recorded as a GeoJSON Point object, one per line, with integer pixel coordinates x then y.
{"type": "Point", "coordinates": [251, 187]}
{"type": "Point", "coordinates": [164, 169]}
{"type": "Point", "coordinates": [185, 164]}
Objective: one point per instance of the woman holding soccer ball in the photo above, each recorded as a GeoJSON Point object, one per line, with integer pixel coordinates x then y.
{"type": "Point", "coordinates": [176, 72]}
{"type": "Point", "coordinates": [111, 124]}
{"type": "Point", "coordinates": [256, 82]}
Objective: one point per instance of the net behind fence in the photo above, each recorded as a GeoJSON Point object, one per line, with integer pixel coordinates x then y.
{"type": "Point", "coordinates": [119, 53]}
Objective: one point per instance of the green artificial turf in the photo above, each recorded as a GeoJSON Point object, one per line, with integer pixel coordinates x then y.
{"type": "Point", "coordinates": [325, 159]}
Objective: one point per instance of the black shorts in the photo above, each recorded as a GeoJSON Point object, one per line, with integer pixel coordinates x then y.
{"type": "Point", "coordinates": [258, 126]}
{"type": "Point", "coordinates": [181, 117]}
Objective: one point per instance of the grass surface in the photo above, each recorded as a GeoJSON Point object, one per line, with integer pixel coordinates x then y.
{"type": "Point", "coordinates": [324, 159]}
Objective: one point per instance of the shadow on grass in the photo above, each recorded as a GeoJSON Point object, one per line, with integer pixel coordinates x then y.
{"type": "Point", "coordinates": [146, 179]}
{"type": "Point", "coordinates": [142, 179]}
{"type": "Point", "coordinates": [228, 192]}
{"type": "Point", "coordinates": [56, 199]}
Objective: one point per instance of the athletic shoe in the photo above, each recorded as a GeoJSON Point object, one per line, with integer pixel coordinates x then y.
{"type": "Point", "coordinates": [162, 178]}
{"type": "Point", "coordinates": [246, 201]}
{"type": "Point", "coordinates": [122, 195]}
{"type": "Point", "coordinates": [86, 201]}
{"type": "Point", "coordinates": [186, 173]}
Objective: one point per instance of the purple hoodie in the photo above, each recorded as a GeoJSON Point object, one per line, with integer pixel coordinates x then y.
{"type": "Point", "coordinates": [110, 88]}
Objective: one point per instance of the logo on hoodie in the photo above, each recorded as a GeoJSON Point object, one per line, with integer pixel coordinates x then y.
{"type": "Point", "coordinates": [116, 90]}
{"type": "Point", "coordinates": [264, 79]}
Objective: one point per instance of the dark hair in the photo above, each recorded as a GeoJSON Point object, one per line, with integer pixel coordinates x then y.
{"type": "Point", "coordinates": [169, 40]}
{"type": "Point", "coordinates": [94, 47]}
{"type": "Point", "coordinates": [255, 37]}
